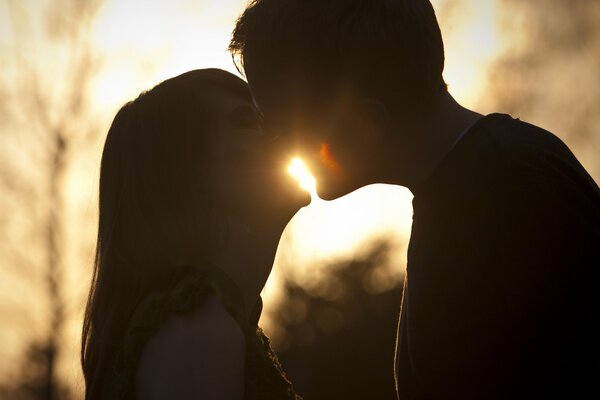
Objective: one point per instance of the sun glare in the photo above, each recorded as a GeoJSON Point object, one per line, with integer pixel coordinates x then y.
{"type": "Point", "coordinates": [301, 173]}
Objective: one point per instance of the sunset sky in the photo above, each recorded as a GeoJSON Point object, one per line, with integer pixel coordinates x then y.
{"type": "Point", "coordinates": [138, 43]}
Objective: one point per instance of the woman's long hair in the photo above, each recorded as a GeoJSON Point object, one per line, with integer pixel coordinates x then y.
{"type": "Point", "coordinates": [155, 206]}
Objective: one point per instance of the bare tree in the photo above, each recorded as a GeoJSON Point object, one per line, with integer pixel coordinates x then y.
{"type": "Point", "coordinates": [46, 118]}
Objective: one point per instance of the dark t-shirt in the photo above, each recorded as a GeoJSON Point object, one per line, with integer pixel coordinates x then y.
{"type": "Point", "coordinates": [501, 293]}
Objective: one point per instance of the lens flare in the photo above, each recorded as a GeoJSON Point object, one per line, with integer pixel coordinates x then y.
{"type": "Point", "coordinates": [327, 158]}
{"type": "Point", "coordinates": [301, 173]}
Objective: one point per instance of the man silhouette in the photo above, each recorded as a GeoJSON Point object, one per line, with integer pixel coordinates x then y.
{"type": "Point", "coordinates": [500, 297]}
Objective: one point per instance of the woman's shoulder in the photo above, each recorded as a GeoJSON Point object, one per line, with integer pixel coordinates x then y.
{"type": "Point", "coordinates": [197, 354]}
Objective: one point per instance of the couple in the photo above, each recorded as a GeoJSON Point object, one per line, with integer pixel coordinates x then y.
{"type": "Point", "coordinates": [499, 299]}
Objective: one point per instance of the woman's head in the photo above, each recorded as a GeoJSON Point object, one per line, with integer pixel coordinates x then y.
{"type": "Point", "coordinates": [180, 163]}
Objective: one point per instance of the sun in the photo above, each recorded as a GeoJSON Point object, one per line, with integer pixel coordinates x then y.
{"type": "Point", "coordinates": [302, 174]}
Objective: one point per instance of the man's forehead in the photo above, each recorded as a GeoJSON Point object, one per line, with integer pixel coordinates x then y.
{"type": "Point", "coordinates": [292, 106]}
{"type": "Point", "coordinates": [284, 104]}
{"type": "Point", "coordinates": [275, 90]}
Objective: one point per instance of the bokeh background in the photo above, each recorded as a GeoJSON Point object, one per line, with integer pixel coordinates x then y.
{"type": "Point", "coordinates": [331, 305]}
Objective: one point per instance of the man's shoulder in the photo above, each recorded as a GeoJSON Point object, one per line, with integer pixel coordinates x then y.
{"type": "Point", "coordinates": [521, 142]}
{"type": "Point", "coordinates": [495, 149]}
{"type": "Point", "coordinates": [515, 147]}
{"type": "Point", "coordinates": [523, 161]}
{"type": "Point", "coordinates": [502, 157]}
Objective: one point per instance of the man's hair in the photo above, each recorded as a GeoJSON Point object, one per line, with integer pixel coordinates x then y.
{"type": "Point", "coordinates": [389, 49]}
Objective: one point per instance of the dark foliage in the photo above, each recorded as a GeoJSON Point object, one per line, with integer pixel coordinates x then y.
{"type": "Point", "coordinates": [35, 379]}
{"type": "Point", "coordinates": [340, 345]}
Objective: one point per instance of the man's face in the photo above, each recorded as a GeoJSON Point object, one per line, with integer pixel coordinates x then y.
{"type": "Point", "coordinates": [340, 153]}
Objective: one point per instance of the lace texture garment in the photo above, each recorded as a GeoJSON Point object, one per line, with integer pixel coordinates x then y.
{"type": "Point", "coordinates": [264, 378]}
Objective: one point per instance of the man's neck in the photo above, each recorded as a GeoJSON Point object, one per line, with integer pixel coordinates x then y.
{"type": "Point", "coordinates": [426, 140]}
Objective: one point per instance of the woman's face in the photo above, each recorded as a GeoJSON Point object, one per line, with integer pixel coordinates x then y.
{"type": "Point", "coordinates": [252, 182]}
{"type": "Point", "coordinates": [252, 189]}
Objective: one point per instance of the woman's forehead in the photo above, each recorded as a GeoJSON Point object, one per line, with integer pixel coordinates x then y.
{"type": "Point", "coordinates": [223, 99]}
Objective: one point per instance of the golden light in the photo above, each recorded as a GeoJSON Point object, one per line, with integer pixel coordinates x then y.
{"type": "Point", "coordinates": [195, 34]}
{"type": "Point", "coordinates": [301, 173]}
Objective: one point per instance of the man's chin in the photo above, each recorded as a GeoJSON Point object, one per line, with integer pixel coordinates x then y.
{"type": "Point", "coordinates": [335, 191]}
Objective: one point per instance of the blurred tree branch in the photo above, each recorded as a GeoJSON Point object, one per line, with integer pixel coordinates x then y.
{"type": "Point", "coordinates": [47, 120]}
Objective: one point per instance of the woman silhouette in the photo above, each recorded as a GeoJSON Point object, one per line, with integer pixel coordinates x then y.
{"type": "Point", "coordinates": [190, 215]}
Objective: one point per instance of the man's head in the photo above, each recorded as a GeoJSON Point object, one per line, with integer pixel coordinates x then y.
{"type": "Point", "coordinates": [328, 76]}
